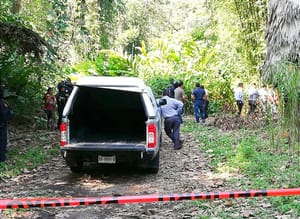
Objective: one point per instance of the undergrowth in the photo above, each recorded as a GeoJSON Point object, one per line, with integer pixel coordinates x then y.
{"type": "Point", "coordinates": [253, 163]}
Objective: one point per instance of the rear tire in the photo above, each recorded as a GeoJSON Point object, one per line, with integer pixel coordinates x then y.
{"type": "Point", "coordinates": [152, 166]}
{"type": "Point", "coordinates": [76, 168]}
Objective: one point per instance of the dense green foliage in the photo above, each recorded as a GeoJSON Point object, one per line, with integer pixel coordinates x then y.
{"type": "Point", "coordinates": [217, 43]}
{"type": "Point", "coordinates": [108, 63]}
{"type": "Point", "coordinates": [287, 80]}
{"type": "Point", "coordinates": [194, 46]}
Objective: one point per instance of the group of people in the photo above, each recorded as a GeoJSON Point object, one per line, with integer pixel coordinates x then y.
{"type": "Point", "coordinates": [173, 110]}
{"type": "Point", "coordinates": [56, 102]}
{"type": "Point", "coordinates": [266, 98]}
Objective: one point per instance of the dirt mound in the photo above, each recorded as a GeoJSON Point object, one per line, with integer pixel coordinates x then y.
{"type": "Point", "coordinates": [231, 122]}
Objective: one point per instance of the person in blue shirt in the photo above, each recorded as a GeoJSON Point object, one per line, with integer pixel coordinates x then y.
{"type": "Point", "coordinates": [169, 112]}
{"type": "Point", "coordinates": [197, 97]}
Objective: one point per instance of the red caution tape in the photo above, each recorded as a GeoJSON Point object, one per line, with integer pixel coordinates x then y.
{"type": "Point", "coordinates": [63, 202]}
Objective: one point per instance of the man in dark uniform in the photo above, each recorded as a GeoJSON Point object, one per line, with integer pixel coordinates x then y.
{"type": "Point", "coordinates": [198, 98]}
{"type": "Point", "coordinates": [61, 99]}
{"type": "Point", "coordinates": [171, 89]}
{"type": "Point", "coordinates": [68, 86]}
{"type": "Point", "coordinates": [171, 119]}
{"type": "Point", "coordinates": [5, 115]}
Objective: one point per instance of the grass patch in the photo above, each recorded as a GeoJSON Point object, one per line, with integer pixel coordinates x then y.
{"type": "Point", "coordinates": [249, 153]}
{"type": "Point", "coordinates": [25, 159]}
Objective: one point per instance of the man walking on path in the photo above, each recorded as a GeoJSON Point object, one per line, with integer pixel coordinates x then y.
{"type": "Point", "coordinates": [169, 112]}
{"type": "Point", "coordinates": [263, 97]}
{"type": "Point", "coordinates": [252, 98]}
{"type": "Point", "coordinates": [198, 98]}
{"type": "Point", "coordinates": [239, 97]}
{"type": "Point", "coordinates": [49, 107]}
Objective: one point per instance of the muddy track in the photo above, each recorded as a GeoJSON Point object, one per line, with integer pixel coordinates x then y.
{"type": "Point", "coordinates": [182, 171]}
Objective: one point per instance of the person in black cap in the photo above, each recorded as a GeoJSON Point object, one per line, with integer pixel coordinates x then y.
{"type": "Point", "coordinates": [5, 115]}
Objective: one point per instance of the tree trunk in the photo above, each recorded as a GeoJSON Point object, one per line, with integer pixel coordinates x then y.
{"type": "Point", "coordinates": [16, 6]}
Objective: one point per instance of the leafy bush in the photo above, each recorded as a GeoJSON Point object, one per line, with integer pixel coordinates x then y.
{"type": "Point", "coordinates": [107, 63]}
{"type": "Point", "coordinates": [25, 83]}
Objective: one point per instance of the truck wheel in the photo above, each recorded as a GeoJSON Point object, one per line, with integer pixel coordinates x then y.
{"type": "Point", "coordinates": [76, 168]}
{"type": "Point", "coordinates": [152, 166]}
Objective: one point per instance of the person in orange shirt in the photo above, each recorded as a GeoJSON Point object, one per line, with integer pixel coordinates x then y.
{"type": "Point", "coordinates": [49, 107]}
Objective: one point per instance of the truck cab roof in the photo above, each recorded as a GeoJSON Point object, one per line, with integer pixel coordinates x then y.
{"type": "Point", "coordinates": [133, 84]}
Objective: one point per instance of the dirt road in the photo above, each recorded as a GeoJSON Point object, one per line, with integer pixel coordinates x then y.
{"type": "Point", "coordinates": [182, 171]}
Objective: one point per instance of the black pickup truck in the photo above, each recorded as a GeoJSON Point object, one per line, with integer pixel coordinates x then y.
{"type": "Point", "coordinates": [110, 120]}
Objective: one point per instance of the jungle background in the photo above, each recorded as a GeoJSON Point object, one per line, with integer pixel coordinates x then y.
{"type": "Point", "coordinates": [217, 43]}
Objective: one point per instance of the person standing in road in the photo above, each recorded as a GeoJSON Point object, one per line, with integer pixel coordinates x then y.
{"type": "Point", "coordinates": [198, 98]}
{"type": "Point", "coordinates": [171, 89]}
{"type": "Point", "coordinates": [61, 99]}
{"type": "Point", "coordinates": [205, 103]}
{"type": "Point", "coordinates": [169, 112]}
{"type": "Point", "coordinates": [68, 87]}
{"type": "Point", "coordinates": [239, 97]}
{"type": "Point", "coordinates": [5, 115]}
{"type": "Point", "coordinates": [49, 107]}
{"type": "Point", "coordinates": [252, 98]}
{"type": "Point", "coordinates": [263, 97]}
{"type": "Point", "coordinates": [180, 95]}
{"type": "Point", "coordinates": [273, 99]}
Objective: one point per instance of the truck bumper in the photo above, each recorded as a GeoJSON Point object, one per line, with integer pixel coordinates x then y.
{"type": "Point", "coordinates": [114, 153]}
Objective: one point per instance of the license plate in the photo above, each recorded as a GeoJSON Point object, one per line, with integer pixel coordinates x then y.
{"type": "Point", "coordinates": [106, 159]}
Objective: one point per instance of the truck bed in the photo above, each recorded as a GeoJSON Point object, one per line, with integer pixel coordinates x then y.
{"type": "Point", "coordinates": [107, 115]}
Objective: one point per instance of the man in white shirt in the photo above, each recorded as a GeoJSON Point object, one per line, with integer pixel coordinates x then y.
{"type": "Point", "coordinates": [239, 98]}
{"type": "Point", "coordinates": [252, 98]}
{"type": "Point", "coordinates": [263, 96]}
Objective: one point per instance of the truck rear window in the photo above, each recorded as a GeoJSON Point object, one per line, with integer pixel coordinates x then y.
{"type": "Point", "coordinates": [101, 114]}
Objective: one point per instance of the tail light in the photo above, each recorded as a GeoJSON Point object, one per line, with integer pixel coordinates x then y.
{"type": "Point", "coordinates": [63, 134]}
{"type": "Point", "coordinates": [151, 132]}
